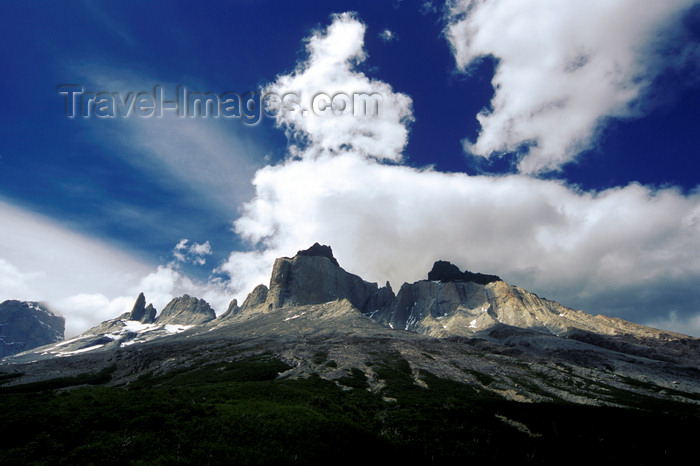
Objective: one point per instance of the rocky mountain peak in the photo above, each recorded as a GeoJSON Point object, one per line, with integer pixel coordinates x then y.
{"type": "Point", "coordinates": [444, 271]}
{"type": "Point", "coordinates": [186, 310]}
{"type": "Point", "coordinates": [312, 276]}
{"type": "Point", "coordinates": [25, 325]}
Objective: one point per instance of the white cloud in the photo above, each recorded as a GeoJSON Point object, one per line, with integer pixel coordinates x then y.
{"type": "Point", "coordinates": [204, 156]}
{"type": "Point", "coordinates": [387, 35]}
{"type": "Point", "coordinates": [203, 249]}
{"type": "Point", "coordinates": [83, 311]}
{"type": "Point", "coordinates": [180, 250]}
{"type": "Point", "coordinates": [563, 68]}
{"type": "Point", "coordinates": [428, 7]}
{"type": "Point", "coordinates": [166, 283]}
{"type": "Point", "coordinates": [52, 258]}
{"type": "Point", "coordinates": [632, 251]}
{"type": "Point", "coordinates": [16, 283]}
{"type": "Point", "coordinates": [251, 268]}
{"type": "Point", "coordinates": [159, 286]}
{"type": "Point", "coordinates": [194, 253]}
{"type": "Point", "coordinates": [329, 69]}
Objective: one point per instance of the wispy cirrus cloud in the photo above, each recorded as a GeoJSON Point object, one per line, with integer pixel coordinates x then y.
{"type": "Point", "coordinates": [213, 158]}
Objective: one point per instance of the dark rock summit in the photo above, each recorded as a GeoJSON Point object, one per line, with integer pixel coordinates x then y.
{"type": "Point", "coordinates": [26, 325]}
{"type": "Point", "coordinates": [444, 271]}
{"type": "Point", "coordinates": [186, 310]}
{"type": "Point", "coordinates": [318, 250]}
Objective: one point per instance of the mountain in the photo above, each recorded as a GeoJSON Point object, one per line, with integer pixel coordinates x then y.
{"type": "Point", "coordinates": [452, 303]}
{"type": "Point", "coordinates": [137, 326]}
{"type": "Point", "coordinates": [468, 323]}
{"type": "Point", "coordinates": [25, 325]}
{"type": "Point", "coordinates": [459, 356]}
{"type": "Point", "coordinates": [186, 310]}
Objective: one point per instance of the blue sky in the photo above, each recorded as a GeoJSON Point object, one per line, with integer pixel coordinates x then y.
{"type": "Point", "coordinates": [578, 181]}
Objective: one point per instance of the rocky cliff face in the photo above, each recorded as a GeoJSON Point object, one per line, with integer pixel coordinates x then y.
{"type": "Point", "coordinates": [313, 276]}
{"type": "Point", "coordinates": [26, 325]}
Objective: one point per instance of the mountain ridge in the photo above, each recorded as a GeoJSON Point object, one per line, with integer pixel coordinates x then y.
{"type": "Point", "coordinates": [466, 327]}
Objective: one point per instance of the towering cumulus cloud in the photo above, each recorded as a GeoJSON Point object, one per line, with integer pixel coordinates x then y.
{"type": "Point", "coordinates": [352, 122]}
{"type": "Point", "coordinates": [564, 67]}
{"type": "Point", "coordinates": [628, 251]}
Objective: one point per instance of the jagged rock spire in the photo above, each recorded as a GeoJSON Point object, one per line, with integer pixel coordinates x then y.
{"type": "Point", "coordinates": [141, 312]}
{"type": "Point", "coordinates": [139, 309]}
{"type": "Point", "coordinates": [150, 315]}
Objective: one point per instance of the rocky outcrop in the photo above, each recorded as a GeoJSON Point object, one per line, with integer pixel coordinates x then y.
{"type": "Point", "coordinates": [256, 297]}
{"type": "Point", "coordinates": [186, 310]}
{"type": "Point", "coordinates": [313, 276]}
{"type": "Point", "coordinates": [456, 305]}
{"type": "Point", "coordinates": [140, 325]}
{"type": "Point", "coordinates": [452, 304]}
{"type": "Point", "coordinates": [231, 310]}
{"type": "Point", "coordinates": [26, 325]}
{"type": "Point", "coordinates": [142, 313]}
